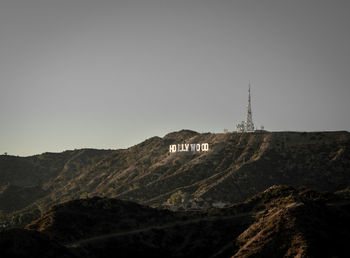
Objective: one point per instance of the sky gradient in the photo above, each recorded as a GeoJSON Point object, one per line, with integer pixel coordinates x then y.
{"type": "Point", "coordinates": [109, 74]}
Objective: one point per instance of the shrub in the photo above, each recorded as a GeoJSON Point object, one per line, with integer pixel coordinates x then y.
{"type": "Point", "coordinates": [176, 198]}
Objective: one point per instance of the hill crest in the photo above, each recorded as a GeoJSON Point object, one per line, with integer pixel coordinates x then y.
{"type": "Point", "coordinates": [237, 166]}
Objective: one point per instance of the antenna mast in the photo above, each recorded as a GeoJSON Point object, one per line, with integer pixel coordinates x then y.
{"type": "Point", "coordinates": [249, 122]}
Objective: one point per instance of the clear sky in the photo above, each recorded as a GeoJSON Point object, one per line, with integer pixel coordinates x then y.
{"type": "Point", "coordinates": [109, 74]}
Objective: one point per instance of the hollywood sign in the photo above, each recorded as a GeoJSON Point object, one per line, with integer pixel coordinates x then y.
{"type": "Point", "coordinates": [188, 147]}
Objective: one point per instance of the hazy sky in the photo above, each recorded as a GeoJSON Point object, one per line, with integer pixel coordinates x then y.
{"type": "Point", "coordinates": [109, 74]}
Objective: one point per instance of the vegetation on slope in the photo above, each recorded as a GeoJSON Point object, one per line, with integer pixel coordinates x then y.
{"type": "Point", "coordinates": [237, 166]}
{"type": "Point", "coordinates": [279, 222]}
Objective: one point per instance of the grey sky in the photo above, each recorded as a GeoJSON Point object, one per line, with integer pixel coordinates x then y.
{"type": "Point", "coordinates": [109, 74]}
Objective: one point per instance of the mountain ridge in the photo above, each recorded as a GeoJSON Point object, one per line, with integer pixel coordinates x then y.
{"type": "Point", "coordinates": [279, 222]}
{"type": "Point", "coordinates": [237, 166]}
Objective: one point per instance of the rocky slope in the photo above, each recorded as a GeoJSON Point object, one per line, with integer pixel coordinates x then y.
{"type": "Point", "coordinates": [299, 223]}
{"type": "Point", "coordinates": [237, 166]}
{"type": "Point", "coordinates": [279, 222]}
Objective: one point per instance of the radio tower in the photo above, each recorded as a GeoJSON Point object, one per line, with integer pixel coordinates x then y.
{"type": "Point", "coordinates": [249, 127]}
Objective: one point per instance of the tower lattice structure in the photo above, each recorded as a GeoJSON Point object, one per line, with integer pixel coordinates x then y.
{"type": "Point", "coordinates": [249, 125]}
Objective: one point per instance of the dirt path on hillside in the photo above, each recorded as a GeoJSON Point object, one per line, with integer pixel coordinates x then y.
{"type": "Point", "coordinates": [168, 225]}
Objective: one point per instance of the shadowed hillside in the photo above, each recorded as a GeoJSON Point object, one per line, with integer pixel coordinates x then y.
{"type": "Point", "coordinates": [237, 166]}
{"type": "Point", "coordinates": [27, 243]}
{"type": "Point", "coordinates": [279, 222]}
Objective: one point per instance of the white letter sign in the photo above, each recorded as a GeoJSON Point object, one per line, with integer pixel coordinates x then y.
{"type": "Point", "coordinates": [186, 147]}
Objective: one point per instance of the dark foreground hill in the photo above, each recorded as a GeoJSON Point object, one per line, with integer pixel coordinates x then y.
{"type": "Point", "coordinates": [279, 222]}
{"type": "Point", "coordinates": [237, 166]}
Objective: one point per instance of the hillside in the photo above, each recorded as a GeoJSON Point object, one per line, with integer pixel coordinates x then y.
{"type": "Point", "coordinates": [21, 243]}
{"type": "Point", "coordinates": [279, 222]}
{"type": "Point", "coordinates": [237, 166]}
